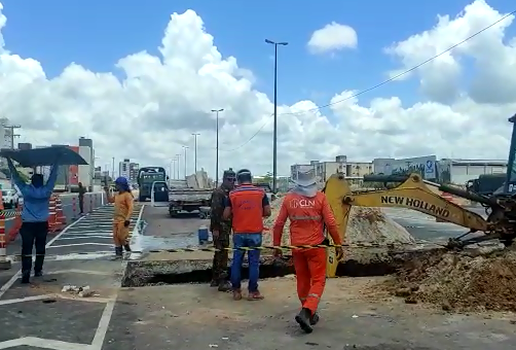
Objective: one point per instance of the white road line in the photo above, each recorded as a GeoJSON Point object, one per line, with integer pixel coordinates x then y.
{"type": "Point", "coordinates": [100, 334]}
{"type": "Point", "coordinates": [44, 343]}
{"type": "Point", "coordinates": [85, 237]}
{"type": "Point", "coordinates": [80, 245]}
{"type": "Point", "coordinates": [54, 296]}
{"type": "Point", "coordinates": [13, 279]}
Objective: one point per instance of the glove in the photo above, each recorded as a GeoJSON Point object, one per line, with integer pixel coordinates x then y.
{"type": "Point", "coordinates": [339, 253]}
{"type": "Point", "coordinates": [127, 223]}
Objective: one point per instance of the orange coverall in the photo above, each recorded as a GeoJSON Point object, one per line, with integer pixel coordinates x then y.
{"type": "Point", "coordinates": [307, 217]}
{"type": "Point", "coordinates": [124, 203]}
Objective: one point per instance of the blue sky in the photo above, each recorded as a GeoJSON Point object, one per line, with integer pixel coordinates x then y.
{"type": "Point", "coordinates": [97, 33]}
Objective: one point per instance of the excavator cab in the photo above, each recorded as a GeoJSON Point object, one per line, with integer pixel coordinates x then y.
{"type": "Point", "coordinates": [510, 181]}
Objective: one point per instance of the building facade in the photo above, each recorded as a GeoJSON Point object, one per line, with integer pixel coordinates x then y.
{"type": "Point", "coordinates": [324, 169]}
{"type": "Point", "coordinates": [129, 170]}
{"type": "Point", "coordinates": [460, 171]}
{"type": "Point", "coordinates": [426, 166]}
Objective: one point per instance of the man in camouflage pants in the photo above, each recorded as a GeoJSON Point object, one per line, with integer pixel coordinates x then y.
{"type": "Point", "coordinates": [221, 231]}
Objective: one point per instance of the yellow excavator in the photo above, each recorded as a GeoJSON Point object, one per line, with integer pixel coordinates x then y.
{"type": "Point", "coordinates": [414, 193]}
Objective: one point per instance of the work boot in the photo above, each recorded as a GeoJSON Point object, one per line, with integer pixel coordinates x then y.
{"type": "Point", "coordinates": [127, 248]}
{"type": "Point", "coordinates": [38, 273]}
{"type": "Point", "coordinates": [303, 318]}
{"type": "Point", "coordinates": [314, 319]}
{"type": "Point", "coordinates": [25, 279]}
{"type": "Point", "coordinates": [237, 294]}
{"type": "Point", "coordinates": [224, 286]}
{"type": "Point", "coordinates": [119, 254]}
{"type": "Point", "coordinates": [255, 296]}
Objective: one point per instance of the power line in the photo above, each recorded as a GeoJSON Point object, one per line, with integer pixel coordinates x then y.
{"type": "Point", "coordinates": [386, 81]}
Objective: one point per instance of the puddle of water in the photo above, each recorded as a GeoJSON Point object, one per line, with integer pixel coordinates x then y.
{"type": "Point", "coordinates": [176, 241]}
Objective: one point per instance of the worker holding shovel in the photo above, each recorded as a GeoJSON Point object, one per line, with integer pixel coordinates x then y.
{"type": "Point", "coordinates": [308, 211]}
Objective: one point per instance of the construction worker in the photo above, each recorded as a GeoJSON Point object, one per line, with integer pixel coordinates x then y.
{"type": "Point", "coordinates": [82, 191]}
{"type": "Point", "coordinates": [308, 211]}
{"type": "Point", "coordinates": [247, 205]}
{"type": "Point", "coordinates": [35, 214]}
{"type": "Point", "coordinates": [221, 231]}
{"type": "Point", "coordinates": [124, 203]}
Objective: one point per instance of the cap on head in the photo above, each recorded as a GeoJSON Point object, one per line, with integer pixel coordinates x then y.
{"type": "Point", "coordinates": [244, 176]}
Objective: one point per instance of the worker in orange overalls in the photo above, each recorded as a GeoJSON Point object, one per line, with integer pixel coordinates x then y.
{"type": "Point", "coordinates": [308, 211]}
{"type": "Point", "coordinates": [124, 202]}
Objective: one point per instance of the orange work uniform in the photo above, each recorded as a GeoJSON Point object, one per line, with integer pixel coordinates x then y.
{"type": "Point", "coordinates": [124, 203]}
{"type": "Point", "coordinates": [307, 217]}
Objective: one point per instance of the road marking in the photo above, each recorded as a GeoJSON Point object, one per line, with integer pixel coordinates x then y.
{"type": "Point", "coordinates": [73, 237]}
{"type": "Point", "coordinates": [56, 296]}
{"type": "Point", "coordinates": [13, 279]}
{"type": "Point", "coordinates": [44, 343]}
{"type": "Point", "coordinates": [100, 334]}
{"type": "Point", "coordinates": [80, 245]}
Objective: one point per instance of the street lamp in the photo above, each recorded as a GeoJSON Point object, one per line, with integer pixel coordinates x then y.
{"type": "Point", "coordinates": [178, 158]}
{"type": "Point", "coordinates": [217, 111]}
{"type": "Point", "coordinates": [195, 151]}
{"type": "Point", "coordinates": [275, 137]}
{"type": "Point", "coordinates": [185, 148]}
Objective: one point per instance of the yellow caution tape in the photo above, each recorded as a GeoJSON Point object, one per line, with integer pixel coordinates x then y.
{"type": "Point", "coordinates": [281, 247]}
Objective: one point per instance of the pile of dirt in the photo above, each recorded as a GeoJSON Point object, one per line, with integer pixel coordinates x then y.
{"type": "Point", "coordinates": [365, 225]}
{"type": "Point", "coordinates": [460, 281]}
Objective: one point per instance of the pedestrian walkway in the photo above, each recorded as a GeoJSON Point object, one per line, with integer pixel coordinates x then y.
{"type": "Point", "coordinates": [89, 235]}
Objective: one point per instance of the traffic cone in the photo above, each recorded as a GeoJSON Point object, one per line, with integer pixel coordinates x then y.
{"type": "Point", "coordinates": [4, 263]}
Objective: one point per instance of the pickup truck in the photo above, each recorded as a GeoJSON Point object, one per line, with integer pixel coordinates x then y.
{"type": "Point", "coordinates": [188, 199]}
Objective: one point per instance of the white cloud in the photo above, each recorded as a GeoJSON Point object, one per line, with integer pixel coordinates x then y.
{"type": "Point", "coordinates": [332, 37]}
{"type": "Point", "coordinates": [153, 110]}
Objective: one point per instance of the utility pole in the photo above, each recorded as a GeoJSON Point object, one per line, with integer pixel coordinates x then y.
{"type": "Point", "coordinates": [185, 148]}
{"type": "Point", "coordinates": [113, 173]}
{"type": "Point", "coordinates": [12, 134]}
{"type": "Point", "coordinates": [275, 137]}
{"type": "Point", "coordinates": [195, 151]}
{"type": "Point", "coordinates": [217, 111]}
{"type": "Point", "coordinates": [178, 157]}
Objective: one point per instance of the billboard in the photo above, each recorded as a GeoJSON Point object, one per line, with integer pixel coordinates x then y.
{"type": "Point", "coordinates": [425, 166]}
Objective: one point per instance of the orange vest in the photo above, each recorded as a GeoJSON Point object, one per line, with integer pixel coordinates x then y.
{"type": "Point", "coordinates": [246, 205]}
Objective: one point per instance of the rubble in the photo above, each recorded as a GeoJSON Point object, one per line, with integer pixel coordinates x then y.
{"type": "Point", "coordinates": [365, 225]}
{"type": "Point", "coordinates": [81, 292]}
{"type": "Point", "coordinates": [460, 281]}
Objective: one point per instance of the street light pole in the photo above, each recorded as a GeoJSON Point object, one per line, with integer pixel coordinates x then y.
{"type": "Point", "coordinates": [113, 174]}
{"type": "Point", "coordinates": [185, 148]}
{"type": "Point", "coordinates": [178, 157]}
{"type": "Point", "coordinates": [217, 111]}
{"type": "Point", "coordinates": [195, 151]}
{"type": "Point", "coordinates": [275, 137]}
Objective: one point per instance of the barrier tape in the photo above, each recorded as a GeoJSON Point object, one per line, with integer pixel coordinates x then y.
{"type": "Point", "coordinates": [9, 213]}
{"type": "Point", "coordinates": [288, 247]}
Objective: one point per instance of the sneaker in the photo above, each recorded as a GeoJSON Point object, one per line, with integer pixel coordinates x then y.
{"type": "Point", "coordinates": [237, 294]}
{"type": "Point", "coordinates": [255, 296]}
{"type": "Point", "coordinates": [38, 273]}
{"type": "Point", "coordinates": [303, 319]}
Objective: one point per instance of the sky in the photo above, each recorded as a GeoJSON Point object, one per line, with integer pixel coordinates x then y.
{"type": "Point", "coordinates": [140, 80]}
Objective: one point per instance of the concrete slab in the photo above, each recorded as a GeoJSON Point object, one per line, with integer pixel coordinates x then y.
{"type": "Point", "coordinates": [352, 317]}
{"type": "Point", "coordinates": [64, 320]}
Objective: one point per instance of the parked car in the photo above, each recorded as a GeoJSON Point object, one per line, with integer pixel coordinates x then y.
{"type": "Point", "coordinates": [11, 198]}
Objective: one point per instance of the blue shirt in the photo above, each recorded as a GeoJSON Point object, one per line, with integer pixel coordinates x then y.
{"type": "Point", "coordinates": [35, 199]}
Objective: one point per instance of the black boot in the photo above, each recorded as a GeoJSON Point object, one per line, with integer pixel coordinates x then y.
{"type": "Point", "coordinates": [25, 279]}
{"type": "Point", "coordinates": [127, 247]}
{"type": "Point", "coordinates": [118, 253]}
{"type": "Point", "coordinates": [303, 318]}
{"type": "Point", "coordinates": [314, 319]}
{"type": "Point", "coordinates": [38, 273]}
{"type": "Point", "coordinates": [214, 283]}
{"type": "Point", "coordinates": [224, 286]}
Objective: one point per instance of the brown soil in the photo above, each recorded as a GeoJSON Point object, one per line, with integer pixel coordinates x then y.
{"type": "Point", "coordinates": [460, 281]}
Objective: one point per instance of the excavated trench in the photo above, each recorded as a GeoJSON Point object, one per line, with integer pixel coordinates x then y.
{"type": "Point", "coordinates": [357, 263]}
